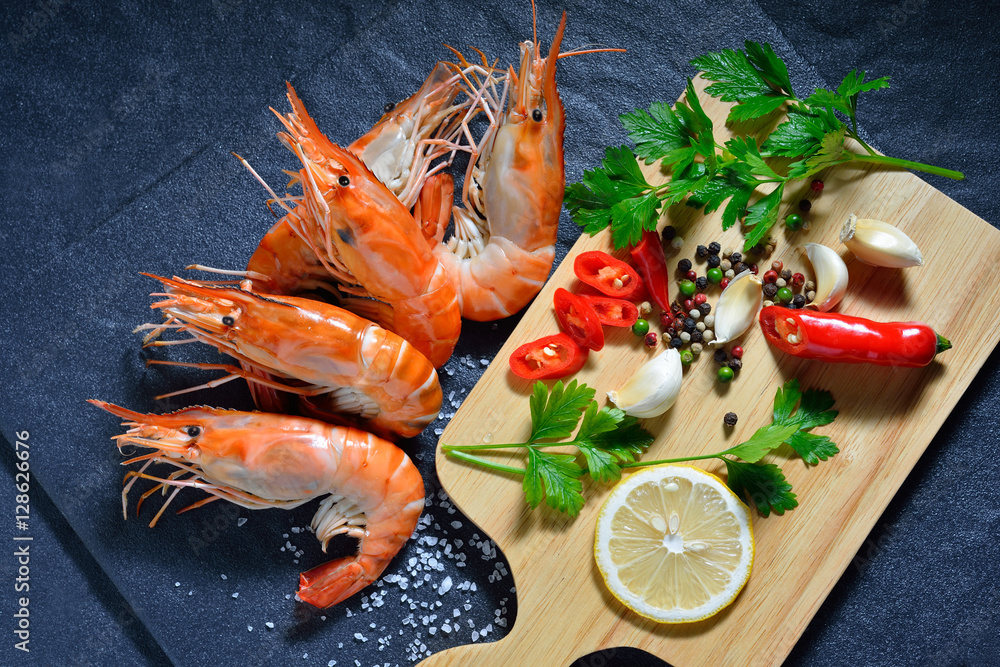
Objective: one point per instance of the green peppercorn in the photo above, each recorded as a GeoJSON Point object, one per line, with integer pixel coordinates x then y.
{"type": "Point", "coordinates": [793, 221]}
{"type": "Point", "coordinates": [641, 328]}
{"type": "Point", "coordinates": [688, 287]}
{"type": "Point", "coordinates": [686, 357]}
{"type": "Point", "coordinates": [785, 295]}
{"type": "Point", "coordinates": [714, 275]}
{"type": "Point", "coordinates": [726, 374]}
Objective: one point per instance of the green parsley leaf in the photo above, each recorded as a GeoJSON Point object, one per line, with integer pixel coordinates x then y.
{"type": "Point", "coordinates": [756, 107]}
{"type": "Point", "coordinates": [830, 99]}
{"type": "Point", "coordinates": [811, 447]}
{"type": "Point", "coordinates": [745, 149]}
{"type": "Point", "coordinates": [736, 209]}
{"type": "Point", "coordinates": [609, 437]}
{"type": "Point", "coordinates": [631, 216]}
{"type": "Point", "coordinates": [555, 413]}
{"type": "Point", "coordinates": [762, 216]}
{"type": "Point", "coordinates": [762, 484]}
{"type": "Point", "coordinates": [785, 400]}
{"type": "Point", "coordinates": [801, 134]}
{"type": "Point", "coordinates": [831, 152]}
{"type": "Point", "coordinates": [735, 78]}
{"type": "Point", "coordinates": [656, 133]}
{"type": "Point", "coordinates": [854, 83]}
{"type": "Point", "coordinates": [556, 478]}
{"type": "Point", "coordinates": [771, 67]}
{"type": "Point", "coordinates": [763, 441]}
{"type": "Point", "coordinates": [814, 410]}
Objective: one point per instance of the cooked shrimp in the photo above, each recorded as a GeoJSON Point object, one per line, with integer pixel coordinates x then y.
{"type": "Point", "coordinates": [258, 461]}
{"type": "Point", "coordinates": [336, 362]}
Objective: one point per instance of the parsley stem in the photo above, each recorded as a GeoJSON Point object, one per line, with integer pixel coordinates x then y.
{"type": "Point", "coordinates": [909, 164]}
{"type": "Point", "coordinates": [641, 464]}
{"type": "Point", "coordinates": [452, 448]}
{"type": "Point", "coordinates": [478, 460]}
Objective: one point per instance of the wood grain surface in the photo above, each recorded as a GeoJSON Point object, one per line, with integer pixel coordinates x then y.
{"type": "Point", "coordinates": [887, 419]}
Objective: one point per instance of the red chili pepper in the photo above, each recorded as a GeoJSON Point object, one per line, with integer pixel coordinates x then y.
{"type": "Point", "coordinates": [652, 264]}
{"type": "Point", "coordinates": [578, 319]}
{"type": "Point", "coordinates": [613, 312]}
{"type": "Point", "coordinates": [608, 275]}
{"type": "Point", "coordinates": [845, 339]}
{"type": "Point", "coordinates": [548, 358]}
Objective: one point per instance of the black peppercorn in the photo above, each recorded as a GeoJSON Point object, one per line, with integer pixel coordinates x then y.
{"type": "Point", "coordinates": [786, 274]}
{"type": "Point", "coordinates": [713, 261]}
{"type": "Point", "coordinates": [705, 308]}
{"type": "Point", "coordinates": [714, 248]}
{"type": "Point", "coordinates": [805, 205]}
{"type": "Point", "coordinates": [757, 249]}
{"type": "Point", "coordinates": [799, 300]}
{"type": "Point", "coordinates": [669, 233]}
{"type": "Point", "coordinates": [720, 356]}
{"type": "Point", "coordinates": [684, 265]}
{"type": "Point", "coordinates": [730, 419]}
{"type": "Point", "coordinates": [701, 251]}
{"type": "Point", "coordinates": [735, 364]}
{"type": "Point", "coordinates": [676, 343]}
{"type": "Point", "coordinates": [736, 258]}
{"type": "Point", "coordinates": [770, 290]}
{"type": "Point", "coordinates": [690, 325]}
{"type": "Point", "coordinates": [696, 336]}
{"type": "Point", "coordinates": [701, 283]}
{"type": "Point", "coordinates": [739, 268]}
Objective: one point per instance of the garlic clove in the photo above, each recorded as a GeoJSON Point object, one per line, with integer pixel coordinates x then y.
{"type": "Point", "coordinates": [879, 243]}
{"type": "Point", "coordinates": [654, 387]}
{"type": "Point", "coordinates": [831, 276]}
{"type": "Point", "coordinates": [737, 307]}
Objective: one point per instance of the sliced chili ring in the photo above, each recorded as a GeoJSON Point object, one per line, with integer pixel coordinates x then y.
{"type": "Point", "coordinates": [548, 358]}
{"type": "Point", "coordinates": [578, 319]}
{"type": "Point", "coordinates": [608, 275]}
{"type": "Point", "coordinates": [613, 312]}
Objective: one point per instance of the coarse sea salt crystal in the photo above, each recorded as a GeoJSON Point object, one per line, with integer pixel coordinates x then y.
{"type": "Point", "coordinates": [445, 586]}
{"type": "Point", "coordinates": [249, 628]}
{"type": "Point", "coordinates": [270, 625]}
{"type": "Point", "coordinates": [242, 520]}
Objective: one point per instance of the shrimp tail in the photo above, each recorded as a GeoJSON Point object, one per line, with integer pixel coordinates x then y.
{"type": "Point", "coordinates": [327, 584]}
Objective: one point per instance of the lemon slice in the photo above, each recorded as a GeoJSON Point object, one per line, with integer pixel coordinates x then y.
{"type": "Point", "coordinates": [674, 543]}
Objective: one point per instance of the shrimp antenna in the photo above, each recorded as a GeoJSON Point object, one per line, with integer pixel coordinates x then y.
{"type": "Point", "coordinates": [582, 50]}
{"type": "Point", "coordinates": [534, 25]}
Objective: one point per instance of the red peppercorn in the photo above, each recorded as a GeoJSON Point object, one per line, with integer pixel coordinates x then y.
{"type": "Point", "coordinates": [816, 185]}
{"type": "Point", "coordinates": [754, 269]}
{"type": "Point", "coordinates": [666, 321]}
{"type": "Point", "coordinates": [798, 280]}
{"type": "Point", "coordinates": [724, 283]}
{"type": "Point", "coordinates": [700, 298]}
{"type": "Point", "coordinates": [771, 276]}
{"type": "Point", "coordinates": [650, 339]}
{"type": "Point", "coordinates": [688, 305]}
{"type": "Point", "coordinates": [691, 275]}
{"type": "Point", "coordinates": [737, 352]}
{"type": "Point", "coordinates": [776, 265]}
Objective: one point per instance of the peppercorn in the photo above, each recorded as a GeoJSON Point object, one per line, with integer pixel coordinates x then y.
{"type": "Point", "coordinates": [798, 301]}
{"type": "Point", "coordinates": [666, 321]}
{"type": "Point", "coordinates": [805, 205]}
{"type": "Point", "coordinates": [686, 358]}
{"type": "Point", "coordinates": [725, 265]}
{"type": "Point", "coordinates": [688, 305]}
{"type": "Point", "coordinates": [724, 283]}
{"type": "Point", "coordinates": [714, 248]}
{"type": "Point", "coordinates": [798, 280]}
{"type": "Point", "coordinates": [770, 290]}
{"type": "Point", "coordinates": [679, 322]}
{"type": "Point", "coordinates": [740, 268]}
{"type": "Point", "coordinates": [701, 283]}
{"type": "Point", "coordinates": [810, 286]}
{"type": "Point", "coordinates": [676, 343]}
{"type": "Point", "coordinates": [689, 325]}
{"type": "Point", "coordinates": [736, 364]}
{"type": "Point", "coordinates": [754, 269]}
{"type": "Point", "coordinates": [776, 265]}
{"type": "Point", "coordinates": [691, 275]}
{"type": "Point", "coordinates": [770, 276]}
{"type": "Point", "coordinates": [696, 336]}
{"type": "Point", "coordinates": [781, 282]}
{"type": "Point", "coordinates": [710, 321]}
{"type": "Point", "coordinates": [737, 352]}
{"type": "Point", "coordinates": [728, 252]}
{"type": "Point", "coordinates": [786, 274]}
{"type": "Point", "coordinates": [726, 374]}
{"type": "Point", "coordinates": [701, 251]}
{"type": "Point", "coordinates": [793, 222]}
{"type": "Point", "coordinates": [810, 295]}
{"type": "Point", "coordinates": [684, 265]}
{"type": "Point", "coordinates": [668, 233]}
{"type": "Point", "coordinates": [730, 274]}
{"type": "Point", "coordinates": [730, 419]}
{"type": "Point", "coordinates": [736, 257]}
{"type": "Point", "coordinates": [695, 314]}
{"type": "Point", "coordinates": [713, 261]}
{"type": "Point", "coordinates": [685, 337]}
{"type": "Point", "coordinates": [650, 339]}
{"type": "Point", "coordinates": [687, 287]}
{"type": "Point", "coordinates": [784, 295]}
{"type": "Point", "coordinates": [816, 185]}
{"type": "Point", "coordinates": [705, 308]}
{"type": "Point", "coordinates": [721, 356]}
{"type": "Point", "coordinates": [640, 328]}
{"type": "Point", "coordinates": [701, 326]}
{"type": "Point", "coordinates": [677, 243]}
{"type": "Point", "coordinates": [714, 275]}
{"type": "Point", "coordinates": [708, 335]}
{"type": "Point", "coordinates": [757, 250]}
{"type": "Point", "coordinates": [696, 348]}
{"type": "Point", "coordinates": [700, 298]}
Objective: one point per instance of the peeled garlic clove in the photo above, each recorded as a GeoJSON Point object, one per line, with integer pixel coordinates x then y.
{"type": "Point", "coordinates": [880, 244]}
{"type": "Point", "coordinates": [654, 387]}
{"type": "Point", "coordinates": [831, 276]}
{"type": "Point", "coordinates": [737, 307]}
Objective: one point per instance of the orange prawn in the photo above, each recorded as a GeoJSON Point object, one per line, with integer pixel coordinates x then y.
{"type": "Point", "coordinates": [259, 461]}
{"type": "Point", "coordinates": [335, 362]}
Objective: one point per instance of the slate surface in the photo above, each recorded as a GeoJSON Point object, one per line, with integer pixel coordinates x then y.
{"type": "Point", "coordinates": [119, 124]}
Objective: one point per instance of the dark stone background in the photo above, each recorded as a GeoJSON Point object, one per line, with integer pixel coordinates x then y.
{"type": "Point", "coordinates": [118, 123]}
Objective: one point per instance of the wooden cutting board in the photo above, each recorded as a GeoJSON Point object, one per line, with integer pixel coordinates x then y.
{"type": "Point", "coordinates": [887, 419]}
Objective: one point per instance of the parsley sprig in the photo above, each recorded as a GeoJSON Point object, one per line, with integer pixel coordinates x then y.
{"type": "Point", "coordinates": [611, 441]}
{"type": "Point", "coordinates": [707, 174]}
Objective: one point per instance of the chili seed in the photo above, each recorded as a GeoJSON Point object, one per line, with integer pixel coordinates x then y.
{"type": "Point", "coordinates": [726, 374]}
{"type": "Point", "coordinates": [805, 205]}
{"type": "Point", "coordinates": [730, 419]}
{"type": "Point", "coordinates": [714, 275]}
{"type": "Point", "coordinates": [721, 356]}
{"type": "Point", "coordinates": [701, 251]}
{"type": "Point", "coordinates": [736, 258]}
{"type": "Point", "coordinates": [669, 233]}
{"type": "Point", "coordinates": [816, 185]}
{"type": "Point", "coordinates": [701, 283]}
{"type": "Point", "coordinates": [676, 343]}
{"type": "Point", "coordinates": [714, 248]}
{"type": "Point", "coordinates": [684, 265]}
{"type": "Point", "coordinates": [650, 339]}
{"type": "Point", "coordinates": [798, 301]}
{"type": "Point", "coordinates": [737, 352]}
{"type": "Point", "coordinates": [705, 308]}
{"type": "Point", "coordinates": [736, 364]}
{"type": "Point", "coordinates": [687, 287]}
{"type": "Point", "coordinates": [640, 328]}
{"type": "Point", "coordinates": [686, 358]}
{"type": "Point", "coordinates": [784, 295]}
{"type": "Point", "coordinates": [713, 261]}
